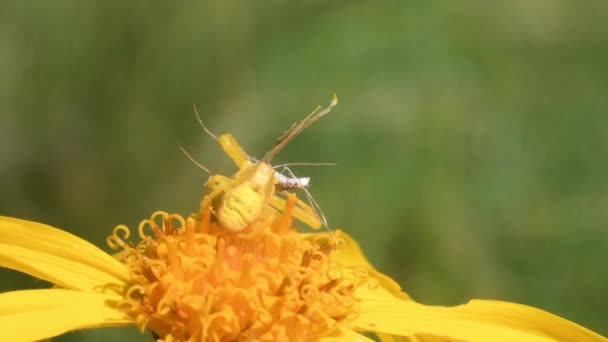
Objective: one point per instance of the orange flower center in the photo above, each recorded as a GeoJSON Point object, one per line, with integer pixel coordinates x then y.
{"type": "Point", "coordinates": [193, 281]}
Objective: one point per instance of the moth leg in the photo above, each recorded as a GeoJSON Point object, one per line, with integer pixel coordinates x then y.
{"type": "Point", "coordinates": [312, 206]}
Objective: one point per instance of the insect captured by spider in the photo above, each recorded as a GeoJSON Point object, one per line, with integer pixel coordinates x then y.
{"type": "Point", "coordinates": [238, 201]}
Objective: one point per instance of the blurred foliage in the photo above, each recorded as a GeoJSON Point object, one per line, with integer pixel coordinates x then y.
{"type": "Point", "coordinates": [471, 140]}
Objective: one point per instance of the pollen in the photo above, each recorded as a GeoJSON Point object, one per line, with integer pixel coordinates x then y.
{"type": "Point", "coordinates": [192, 280]}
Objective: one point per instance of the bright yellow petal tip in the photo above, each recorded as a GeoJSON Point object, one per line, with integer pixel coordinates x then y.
{"type": "Point", "coordinates": [478, 320]}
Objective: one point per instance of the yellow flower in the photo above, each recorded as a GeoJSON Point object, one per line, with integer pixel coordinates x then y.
{"type": "Point", "coordinates": [188, 279]}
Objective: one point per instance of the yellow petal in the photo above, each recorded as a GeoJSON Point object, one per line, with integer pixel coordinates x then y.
{"type": "Point", "coordinates": [345, 335]}
{"type": "Point", "coordinates": [46, 239]}
{"type": "Point", "coordinates": [67, 273]}
{"type": "Point", "coordinates": [478, 320]}
{"type": "Point", "coordinates": [349, 254]}
{"type": "Point", "coordinates": [416, 338]}
{"type": "Point", "coordinates": [32, 315]}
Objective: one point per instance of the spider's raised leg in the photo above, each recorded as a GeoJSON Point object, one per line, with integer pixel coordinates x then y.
{"type": "Point", "coordinates": [233, 150]}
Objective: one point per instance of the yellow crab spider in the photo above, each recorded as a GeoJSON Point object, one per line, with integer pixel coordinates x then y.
{"type": "Point", "coordinates": [238, 201]}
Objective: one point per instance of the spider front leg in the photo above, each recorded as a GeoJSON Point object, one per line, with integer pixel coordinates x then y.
{"type": "Point", "coordinates": [233, 150]}
{"type": "Point", "coordinates": [217, 184]}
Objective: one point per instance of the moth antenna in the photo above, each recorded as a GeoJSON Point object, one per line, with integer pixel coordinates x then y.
{"type": "Point", "coordinates": [200, 166]}
{"type": "Point", "coordinates": [297, 128]}
{"type": "Point", "coordinates": [200, 121]}
{"type": "Point", "coordinates": [306, 164]}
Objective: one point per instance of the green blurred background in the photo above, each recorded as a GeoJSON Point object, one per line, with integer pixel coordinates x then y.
{"type": "Point", "coordinates": [471, 139]}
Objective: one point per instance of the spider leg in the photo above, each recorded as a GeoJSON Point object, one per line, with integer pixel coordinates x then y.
{"type": "Point", "coordinates": [310, 220]}
{"type": "Point", "coordinates": [217, 179]}
{"type": "Point", "coordinates": [199, 165]}
{"type": "Point", "coordinates": [222, 182]}
{"type": "Point", "coordinates": [233, 150]}
{"type": "Point", "coordinates": [200, 121]}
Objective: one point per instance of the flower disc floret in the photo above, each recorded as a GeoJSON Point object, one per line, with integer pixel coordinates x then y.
{"type": "Point", "coordinates": [194, 281]}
